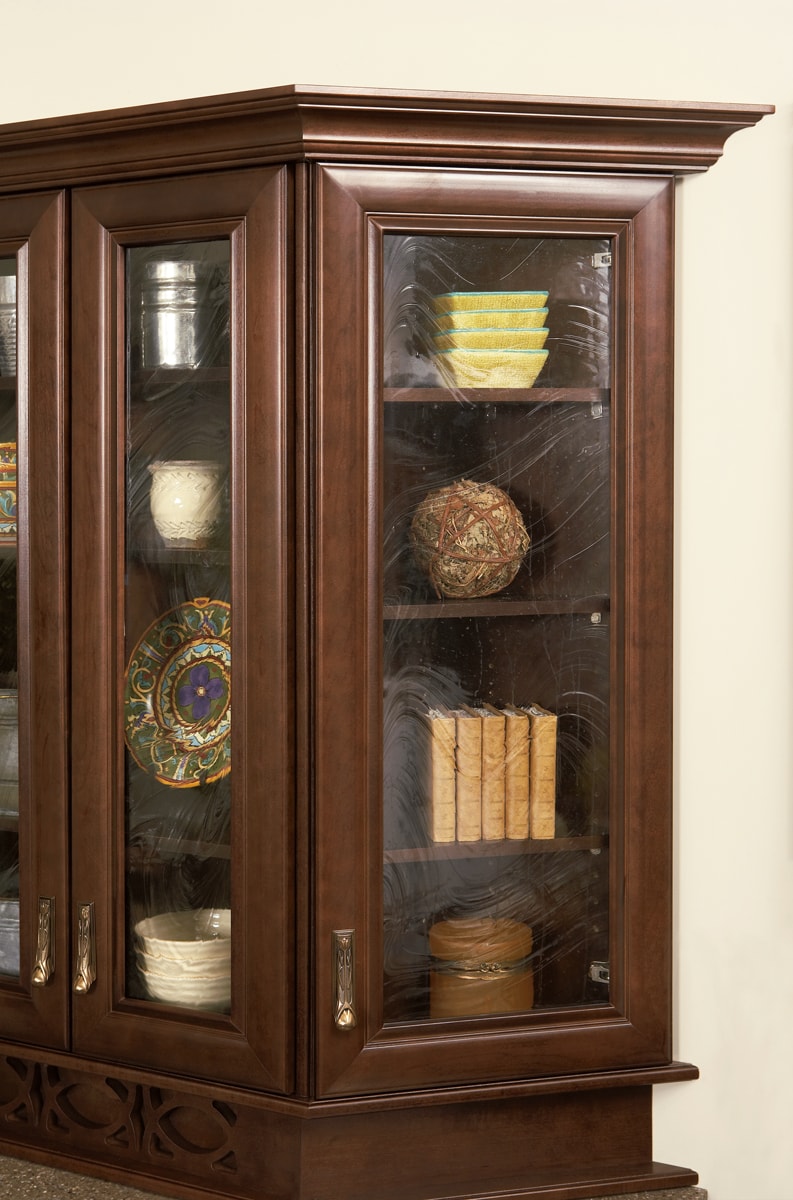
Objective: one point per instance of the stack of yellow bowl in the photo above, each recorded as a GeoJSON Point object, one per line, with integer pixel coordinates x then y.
{"type": "Point", "coordinates": [490, 339]}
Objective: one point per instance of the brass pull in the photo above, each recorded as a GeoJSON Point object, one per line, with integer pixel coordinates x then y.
{"type": "Point", "coordinates": [344, 1015]}
{"type": "Point", "coordinates": [85, 972]}
{"type": "Point", "coordinates": [44, 965]}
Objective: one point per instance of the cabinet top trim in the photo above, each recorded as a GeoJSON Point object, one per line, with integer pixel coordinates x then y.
{"type": "Point", "coordinates": [299, 123]}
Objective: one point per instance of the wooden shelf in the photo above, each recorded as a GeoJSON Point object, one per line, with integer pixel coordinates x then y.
{"type": "Point", "coordinates": [502, 849]}
{"type": "Point", "coordinates": [182, 555]}
{"type": "Point", "coordinates": [440, 609]}
{"type": "Point", "coordinates": [180, 846]}
{"type": "Point", "coordinates": [142, 377]}
{"type": "Point", "coordinates": [439, 395]}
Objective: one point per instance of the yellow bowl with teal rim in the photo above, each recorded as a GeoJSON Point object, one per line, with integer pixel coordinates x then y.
{"type": "Point", "coordinates": [491, 318]}
{"type": "Point", "coordinates": [466, 301]}
{"type": "Point", "coordinates": [490, 368]}
{"type": "Point", "coordinates": [491, 339]}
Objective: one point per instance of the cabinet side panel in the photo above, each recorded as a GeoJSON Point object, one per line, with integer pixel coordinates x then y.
{"type": "Point", "coordinates": [647, 567]}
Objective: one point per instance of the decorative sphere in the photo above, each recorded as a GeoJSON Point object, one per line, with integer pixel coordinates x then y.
{"type": "Point", "coordinates": [469, 539]}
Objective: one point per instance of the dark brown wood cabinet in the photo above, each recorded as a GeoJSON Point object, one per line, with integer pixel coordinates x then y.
{"type": "Point", "coordinates": [268, 433]}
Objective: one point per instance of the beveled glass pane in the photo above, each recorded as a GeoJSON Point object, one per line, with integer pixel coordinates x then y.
{"type": "Point", "coordinates": [496, 646]}
{"type": "Point", "coordinates": [177, 702]}
{"type": "Point", "coordinates": [9, 678]}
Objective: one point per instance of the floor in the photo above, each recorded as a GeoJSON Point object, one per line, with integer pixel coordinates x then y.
{"type": "Point", "coordinates": [21, 1180]}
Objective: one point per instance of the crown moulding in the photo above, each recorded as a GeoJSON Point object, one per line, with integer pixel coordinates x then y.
{"type": "Point", "coordinates": [294, 124]}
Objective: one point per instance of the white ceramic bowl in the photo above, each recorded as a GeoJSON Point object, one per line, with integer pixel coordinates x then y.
{"type": "Point", "coordinates": [176, 969]}
{"type": "Point", "coordinates": [197, 993]}
{"type": "Point", "coordinates": [194, 937]}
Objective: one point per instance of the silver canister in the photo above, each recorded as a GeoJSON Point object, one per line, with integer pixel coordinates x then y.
{"type": "Point", "coordinates": [8, 324]}
{"type": "Point", "coordinates": [9, 937]}
{"type": "Point", "coordinates": [179, 314]}
{"type": "Point", "coordinates": [9, 750]}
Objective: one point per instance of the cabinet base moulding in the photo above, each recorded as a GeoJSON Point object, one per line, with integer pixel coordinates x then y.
{"type": "Point", "coordinates": [181, 1142]}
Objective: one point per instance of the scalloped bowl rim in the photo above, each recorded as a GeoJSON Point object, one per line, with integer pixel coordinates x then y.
{"type": "Point", "coordinates": [449, 312]}
{"type": "Point", "coordinates": [162, 989]}
{"type": "Point", "coordinates": [184, 946]}
{"type": "Point", "coordinates": [207, 968]}
{"type": "Point", "coordinates": [188, 979]}
{"type": "Point", "coordinates": [209, 949]}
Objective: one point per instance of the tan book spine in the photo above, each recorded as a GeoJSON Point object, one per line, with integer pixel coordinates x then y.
{"type": "Point", "coordinates": [516, 783]}
{"type": "Point", "coordinates": [493, 772]}
{"type": "Point", "coordinates": [469, 776]}
{"type": "Point", "coordinates": [442, 771]}
{"type": "Point", "coordinates": [542, 773]}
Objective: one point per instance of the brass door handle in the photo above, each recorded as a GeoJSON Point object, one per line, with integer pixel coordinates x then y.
{"type": "Point", "coordinates": [85, 968]}
{"type": "Point", "coordinates": [44, 964]}
{"type": "Point", "coordinates": [344, 1015]}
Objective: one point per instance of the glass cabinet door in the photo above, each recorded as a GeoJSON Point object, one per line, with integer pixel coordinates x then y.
{"type": "Point", "coordinates": [496, 643]}
{"type": "Point", "coordinates": [33, 622]}
{"type": "Point", "coordinates": [494, 745]}
{"type": "Point", "coordinates": [174, 928]}
{"type": "Point", "coordinates": [9, 672]}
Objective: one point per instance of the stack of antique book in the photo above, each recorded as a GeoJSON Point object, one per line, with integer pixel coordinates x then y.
{"type": "Point", "coordinates": [491, 772]}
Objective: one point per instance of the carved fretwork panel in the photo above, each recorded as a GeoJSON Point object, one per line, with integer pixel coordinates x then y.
{"type": "Point", "coordinates": [20, 1092]}
{"type": "Point", "coordinates": [117, 1121]}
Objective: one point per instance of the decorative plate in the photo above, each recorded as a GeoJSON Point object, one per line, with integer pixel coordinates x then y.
{"type": "Point", "coordinates": [178, 695]}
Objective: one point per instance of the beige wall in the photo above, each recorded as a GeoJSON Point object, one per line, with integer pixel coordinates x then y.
{"type": "Point", "coordinates": [734, 894]}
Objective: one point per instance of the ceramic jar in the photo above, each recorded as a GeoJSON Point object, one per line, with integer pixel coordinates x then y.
{"type": "Point", "coordinates": [185, 501]}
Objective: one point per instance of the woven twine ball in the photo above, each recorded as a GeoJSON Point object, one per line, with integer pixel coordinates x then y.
{"type": "Point", "coordinates": [469, 538]}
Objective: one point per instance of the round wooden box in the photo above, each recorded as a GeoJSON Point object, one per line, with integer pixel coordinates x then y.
{"type": "Point", "coordinates": [480, 966]}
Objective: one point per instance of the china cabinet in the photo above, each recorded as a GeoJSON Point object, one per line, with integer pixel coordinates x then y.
{"type": "Point", "coordinates": [356, 407]}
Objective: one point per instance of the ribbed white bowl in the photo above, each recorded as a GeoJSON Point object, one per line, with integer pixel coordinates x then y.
{"type": "Point", "coordinates": [195, 992]}
{"type": "Point", "coordinates": [196, 935]}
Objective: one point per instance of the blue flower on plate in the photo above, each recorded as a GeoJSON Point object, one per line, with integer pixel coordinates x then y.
{"type": "Point", "coordinates": [200, 692]}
